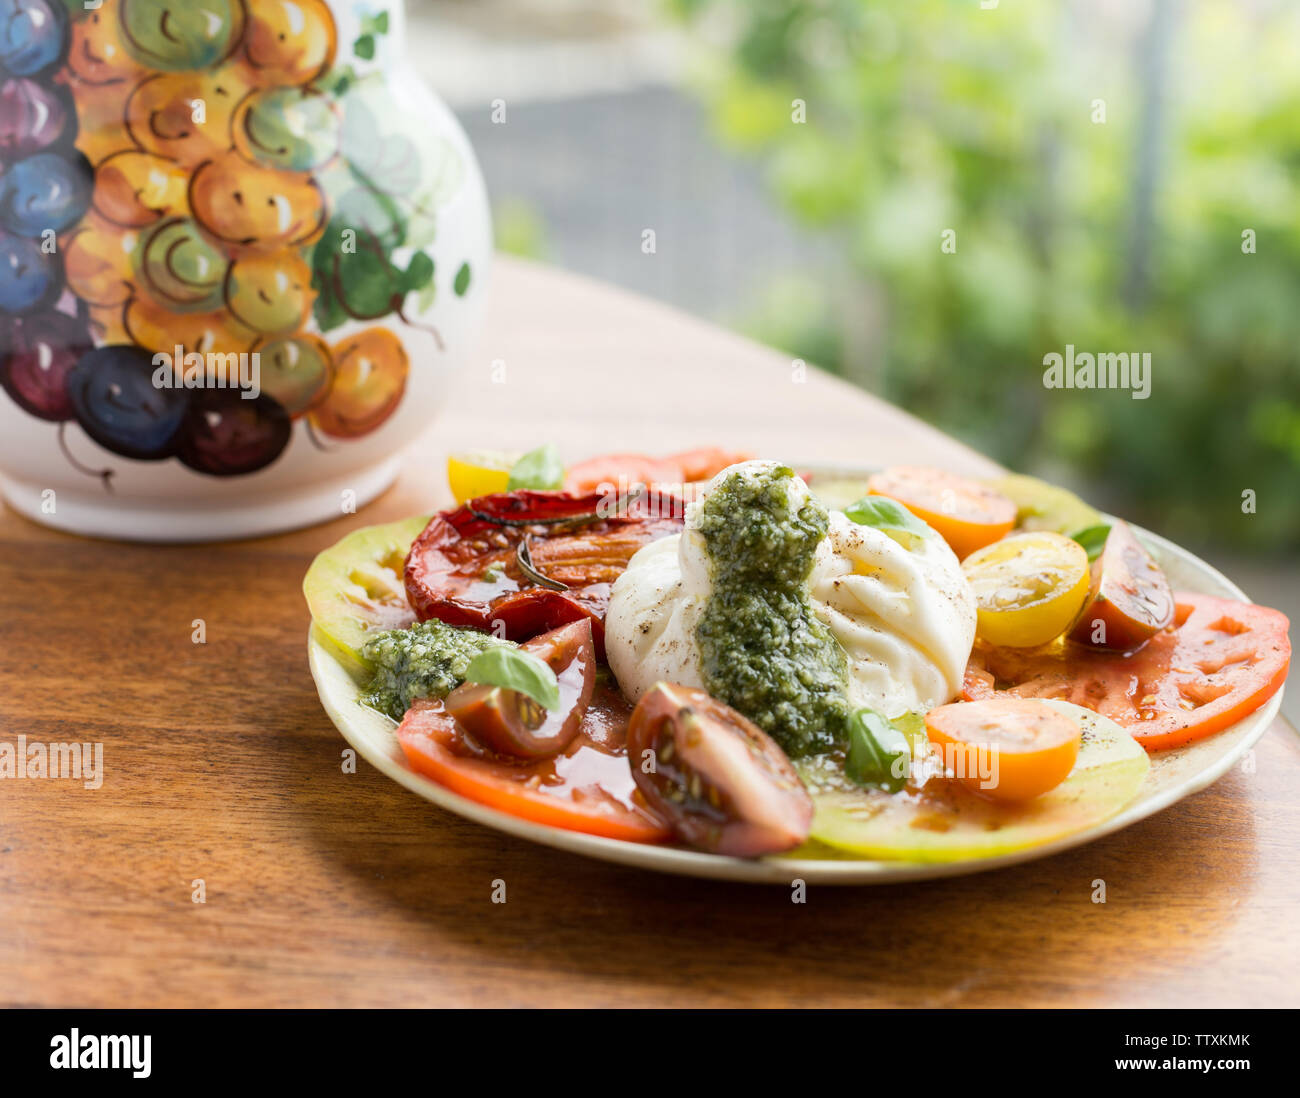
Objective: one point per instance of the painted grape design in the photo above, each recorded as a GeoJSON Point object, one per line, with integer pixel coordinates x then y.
{"type": "Point", "coordinates": [203, 174]}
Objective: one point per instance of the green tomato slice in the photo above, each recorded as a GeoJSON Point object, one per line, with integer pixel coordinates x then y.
{"type": "Point", "coordinates": [838, 493]}
{"type": "Point", "coordinates": [943, 821]}
{"type": "Point", "coordinates": [1043, 506]}
{"type": "Point", "coordinates": [355, 588]}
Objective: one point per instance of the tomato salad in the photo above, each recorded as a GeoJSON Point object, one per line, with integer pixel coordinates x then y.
{"type": "Point", "coordinates": [991, 662]}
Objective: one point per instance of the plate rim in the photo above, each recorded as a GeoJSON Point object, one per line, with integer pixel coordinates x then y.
{"type": "Point", "coordinates": [781, 869]}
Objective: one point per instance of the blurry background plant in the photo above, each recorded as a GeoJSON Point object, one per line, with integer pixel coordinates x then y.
{"type": "Point", "coordinates": [1117, 231]}
{"type": "Point", "coordinates": [824, 236]}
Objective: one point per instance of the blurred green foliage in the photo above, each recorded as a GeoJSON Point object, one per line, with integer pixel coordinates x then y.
{"type": "Point", "coordinates": [1117, 235]}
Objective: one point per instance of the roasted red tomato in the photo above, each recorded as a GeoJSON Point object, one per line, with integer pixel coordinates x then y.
{"type": "Point", "coordinates": [1129, 600]}
{"type": "Point", "coordinates": [467, 569]}
{"type": "Point", "coordinates": [1218, 662]}
{"type": "Point", "coordinates": [587, 787]}
{"type": "Point", "coordinates": [510, 722]}
{"type": "Point", "coordinates": [719, 779]}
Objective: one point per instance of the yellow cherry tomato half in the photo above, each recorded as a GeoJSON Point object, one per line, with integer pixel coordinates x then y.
{"type": "Point", "coordinates": [1028, 588]}
{"type": "Point", "coordinates": [966, 514]}
{"type": "Point", "coordinates": [479, 473]}
{"type": "Point", "coordinates": [1010, 749]}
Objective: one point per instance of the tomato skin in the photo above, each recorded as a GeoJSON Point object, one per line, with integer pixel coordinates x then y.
{"type": "Point", "coordinates": [1031, 747]}
{"type": "Point", "coordinates": [462, 567]}
{"type": "Point", "coordinates": [1223, 658]}
{"type": "Point", "coordinates": [721, 781]}
{"type": "Point", "coordinates": [1129, 599]}
{"type": "Point", "coordinates": [968, 515]}
{"type": "Point", "coordinates": [554, 792]}
{"type": "Point", "coordinates": [498, 717]}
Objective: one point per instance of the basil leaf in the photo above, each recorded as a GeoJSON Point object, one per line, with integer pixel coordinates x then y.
{"type": "Point", "coordinates": [886, 514]}
{"type": "Point", "coordinates": [879, 754]}
{"type": "Point", "coordinates": [1092, 538]}
{"type": "Point", "coordinates": [515, 669]}
{"type": "Point", "coordinates": [540, 469]}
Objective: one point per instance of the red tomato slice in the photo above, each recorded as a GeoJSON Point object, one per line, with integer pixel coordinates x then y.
{"type": "Point", "coordinates": [463, 569]}
{"type": "Point", "coordinates": [624, 470]}
{"type": "Point", "coordinates": [706, 462]}
{"type": "Point", "coordinates": [588, 788]}
{"type": "Point", "coordinates": [621, 471]}
{"type": "Point", "coordinates": [1218, 662]}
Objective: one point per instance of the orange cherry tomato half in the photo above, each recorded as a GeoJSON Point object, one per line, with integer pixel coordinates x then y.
{"type": "Point", "coordinates": [966, 514]}
{"type": "Point", "coordinates": [588, 787]}
{"type": "Point", "coordinates": [1010, 749]}
{"type": "Point", "coordinates": [510, 722]}
{"type": "Point", "coordinates": [1218, 662]}
{"type": "Point", "coordinates": [1129, 601]}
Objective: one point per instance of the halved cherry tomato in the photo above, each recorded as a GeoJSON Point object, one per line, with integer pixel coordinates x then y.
{"type": "Point", "coordinates": [510, 722]}
{"type": "Point", "coordinates": [1218, 662]}
{"type": "Point", "coordinates": [1129, 600]}
{"type": "Point", "coordinates": [1028, 588]}
{"type": "Point", "coordinates": [1011, 749]}
{"type": "Point", "coordinates": [619, 472]}
{"type": "Point", "coordinates": [464, 569]}
{"type": "Point", "coordinates": [588, 787]}
{"type": "Point", "coordinates": [966, 514]}
{"type": "Point", "coordinates": [719, 779]}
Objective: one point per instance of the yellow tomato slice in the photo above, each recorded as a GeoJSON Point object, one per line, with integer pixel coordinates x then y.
{"type": "Point", "coordinates": [1028, 588]}
{"type": "Point", "coordinates": [1010, 749]}
{"type": "Point", "coordinates": [479, 473]}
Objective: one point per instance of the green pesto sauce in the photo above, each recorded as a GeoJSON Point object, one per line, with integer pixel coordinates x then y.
{"type": "Point", "coordinates": [428, 660]}
{"type": "Point", "coordinates": [762, 650]}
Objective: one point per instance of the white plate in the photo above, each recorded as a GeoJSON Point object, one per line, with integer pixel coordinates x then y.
{"type": "Point", "coordinates": [1173, 775]}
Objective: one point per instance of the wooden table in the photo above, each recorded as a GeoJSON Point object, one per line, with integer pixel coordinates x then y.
{"type": "Point", "coordinates": [328, 888]}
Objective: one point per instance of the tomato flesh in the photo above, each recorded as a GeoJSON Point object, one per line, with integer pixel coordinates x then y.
{"type": "Point", "coordinates": [1217, 662]}
{"type": "Point", "coordinates": [463, 568]}
{"type": "Point", "coordinates": [510, 722]}
{"type": "Point", "coordinates": [966, 514]}
{"type": "Point", "coordinates": [1129, 599]}
{"type": "Point", "coordinates": [588, 787]}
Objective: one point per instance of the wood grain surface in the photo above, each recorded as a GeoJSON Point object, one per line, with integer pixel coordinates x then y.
{"type": "Point", "coordinates": [332, 888]}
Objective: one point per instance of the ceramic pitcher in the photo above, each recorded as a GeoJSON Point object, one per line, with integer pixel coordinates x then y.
{"type": "Point", "coordinates": [242, 248]}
